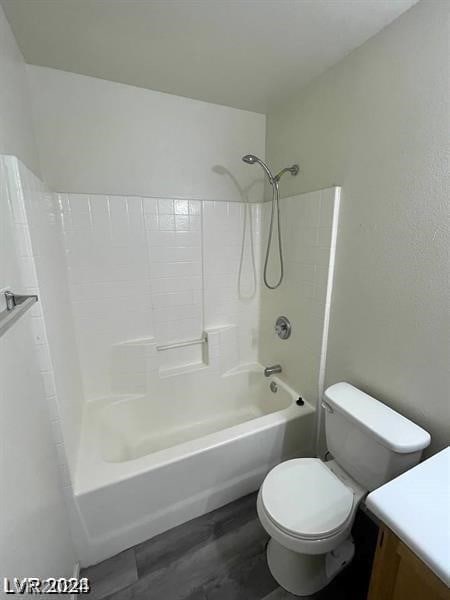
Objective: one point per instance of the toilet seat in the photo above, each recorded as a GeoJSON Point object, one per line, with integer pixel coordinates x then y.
{"type": "Point", "coordinates": [305, 500]}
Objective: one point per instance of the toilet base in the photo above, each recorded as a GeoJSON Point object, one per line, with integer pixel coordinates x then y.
{"type": "Point", "coordinates": [305, 574]}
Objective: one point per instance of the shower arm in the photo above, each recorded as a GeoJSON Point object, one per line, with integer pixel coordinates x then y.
{"type": "Point", "coordinates": [292, 170]}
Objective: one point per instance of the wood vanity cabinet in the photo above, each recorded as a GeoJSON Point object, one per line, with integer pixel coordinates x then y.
{"type": "Point", "coordinates": [398, 574]}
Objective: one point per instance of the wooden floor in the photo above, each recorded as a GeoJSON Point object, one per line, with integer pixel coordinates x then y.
{"type": "Point", "coordinates": [219, 556]}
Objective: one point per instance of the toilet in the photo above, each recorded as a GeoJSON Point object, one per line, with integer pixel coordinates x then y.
{"type": "Point", "coordinates": [308, 506]}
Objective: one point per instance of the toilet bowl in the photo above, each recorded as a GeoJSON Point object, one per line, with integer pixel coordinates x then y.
{"type": "Point", "coordinates": [308, 506]}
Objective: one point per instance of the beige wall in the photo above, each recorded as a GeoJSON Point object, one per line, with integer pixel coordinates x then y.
{"type": "Point", "coordinates": [102, 137]}
{"type": "Point", "coordinates": [16, 134]}
{"type": "Point", "coordinates": [378, 124]}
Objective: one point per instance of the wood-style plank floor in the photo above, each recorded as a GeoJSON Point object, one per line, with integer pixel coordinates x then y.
{"type": "Point", "coordinates": [219, 556]}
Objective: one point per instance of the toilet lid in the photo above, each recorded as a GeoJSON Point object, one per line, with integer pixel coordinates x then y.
{"type": "Point", "coordinates": [305, 499]}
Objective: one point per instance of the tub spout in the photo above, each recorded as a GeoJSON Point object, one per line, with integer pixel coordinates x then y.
{"type": "Point", "coordinates": [268, 371]}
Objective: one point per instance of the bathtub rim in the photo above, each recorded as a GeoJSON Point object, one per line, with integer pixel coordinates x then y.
{"type": "Point", "coordinates": [93, 472]}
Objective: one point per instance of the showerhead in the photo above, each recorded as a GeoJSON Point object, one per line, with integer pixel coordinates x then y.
{"type": "Point", "coordinates": [250, 159]}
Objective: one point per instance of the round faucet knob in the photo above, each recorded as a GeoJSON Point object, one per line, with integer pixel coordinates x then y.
{"type": "Point", "coordinates": [283, 328]}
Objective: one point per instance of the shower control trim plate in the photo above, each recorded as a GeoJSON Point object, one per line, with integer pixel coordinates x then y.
{"type": "Point", "coordinates": [283, 328]}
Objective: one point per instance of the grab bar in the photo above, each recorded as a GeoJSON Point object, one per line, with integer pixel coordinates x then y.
{"type": "Point", "coordinates": [16, 306]}
{"type": "Point", "coordinates": [201, 340]}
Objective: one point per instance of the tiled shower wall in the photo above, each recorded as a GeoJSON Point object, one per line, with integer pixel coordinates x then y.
{"type": "Point", "coordinates": [309, 224]}
{"type": "Point", "coordinates": [232, 274]}
{"type": "Point", "coordinates": [62, 375]}
{"type": "Point", "coordinates": [161, 270]}
{"type": "Point", "coordinates": [39, 406]}
{"type": "Point", "coordinates": [43, 272]}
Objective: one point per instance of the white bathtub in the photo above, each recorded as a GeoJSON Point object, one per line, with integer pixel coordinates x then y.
{"type": "Point", "coordinates": [147, 464]}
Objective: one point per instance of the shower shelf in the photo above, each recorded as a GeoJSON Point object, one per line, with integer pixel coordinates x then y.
{"type": "Point", "coordinates": [182, 344]}
{"type": "Point", "coordinates": [16, 306]}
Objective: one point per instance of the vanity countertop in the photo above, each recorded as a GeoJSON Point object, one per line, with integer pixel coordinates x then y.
{"type": "Point", "coordinates": [416, 507]}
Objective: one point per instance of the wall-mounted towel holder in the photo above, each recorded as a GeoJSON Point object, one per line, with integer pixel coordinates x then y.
{"type": "Point", "coordinates": [16, 306]}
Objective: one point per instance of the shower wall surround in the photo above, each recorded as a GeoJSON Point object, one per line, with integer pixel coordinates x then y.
{"type": "Point", "coordinates": [309, 227]}
{"type": "Point", "coordinates": [145, 272]}
{"type": "Point", "coordinates": [44, 273]}
{"type": "Point", "coordinates": [62, 374]}
{"type": "Point", "coordinates": [35, 536]}
{"type": "Point", "coordinates": [232, 271]}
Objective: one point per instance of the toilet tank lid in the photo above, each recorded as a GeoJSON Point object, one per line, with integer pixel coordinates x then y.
{"type": "Point", "coordinates": [394, 431]}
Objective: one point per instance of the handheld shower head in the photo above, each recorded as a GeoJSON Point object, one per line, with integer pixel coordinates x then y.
{"type": "Point", "coordinates": [251, 159]}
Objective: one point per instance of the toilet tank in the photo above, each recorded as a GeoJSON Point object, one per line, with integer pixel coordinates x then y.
{"type": "Point", "coordinates": [369, 440]}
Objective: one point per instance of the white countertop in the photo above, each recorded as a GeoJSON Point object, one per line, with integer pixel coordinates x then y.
{"type": "Point", "coordinates": [416, 506]}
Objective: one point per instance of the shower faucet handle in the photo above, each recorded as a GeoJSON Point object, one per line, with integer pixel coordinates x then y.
{"type": "Point", "coordinates": [283, 328]}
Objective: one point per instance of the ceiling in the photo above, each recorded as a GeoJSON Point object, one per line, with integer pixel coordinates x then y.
{"type": "Point", "coordinates": [249, 54]}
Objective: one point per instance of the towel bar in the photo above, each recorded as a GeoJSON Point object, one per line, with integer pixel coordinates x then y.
{"type": "Point", "coordinates": [16, 306]}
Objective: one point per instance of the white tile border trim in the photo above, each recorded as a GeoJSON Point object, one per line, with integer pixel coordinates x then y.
{"type": "Point", "coordinates": [327, 310]}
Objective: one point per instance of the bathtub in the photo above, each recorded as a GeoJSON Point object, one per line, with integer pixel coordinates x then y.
{"type": "Point", "coordinates": [147, 464]}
